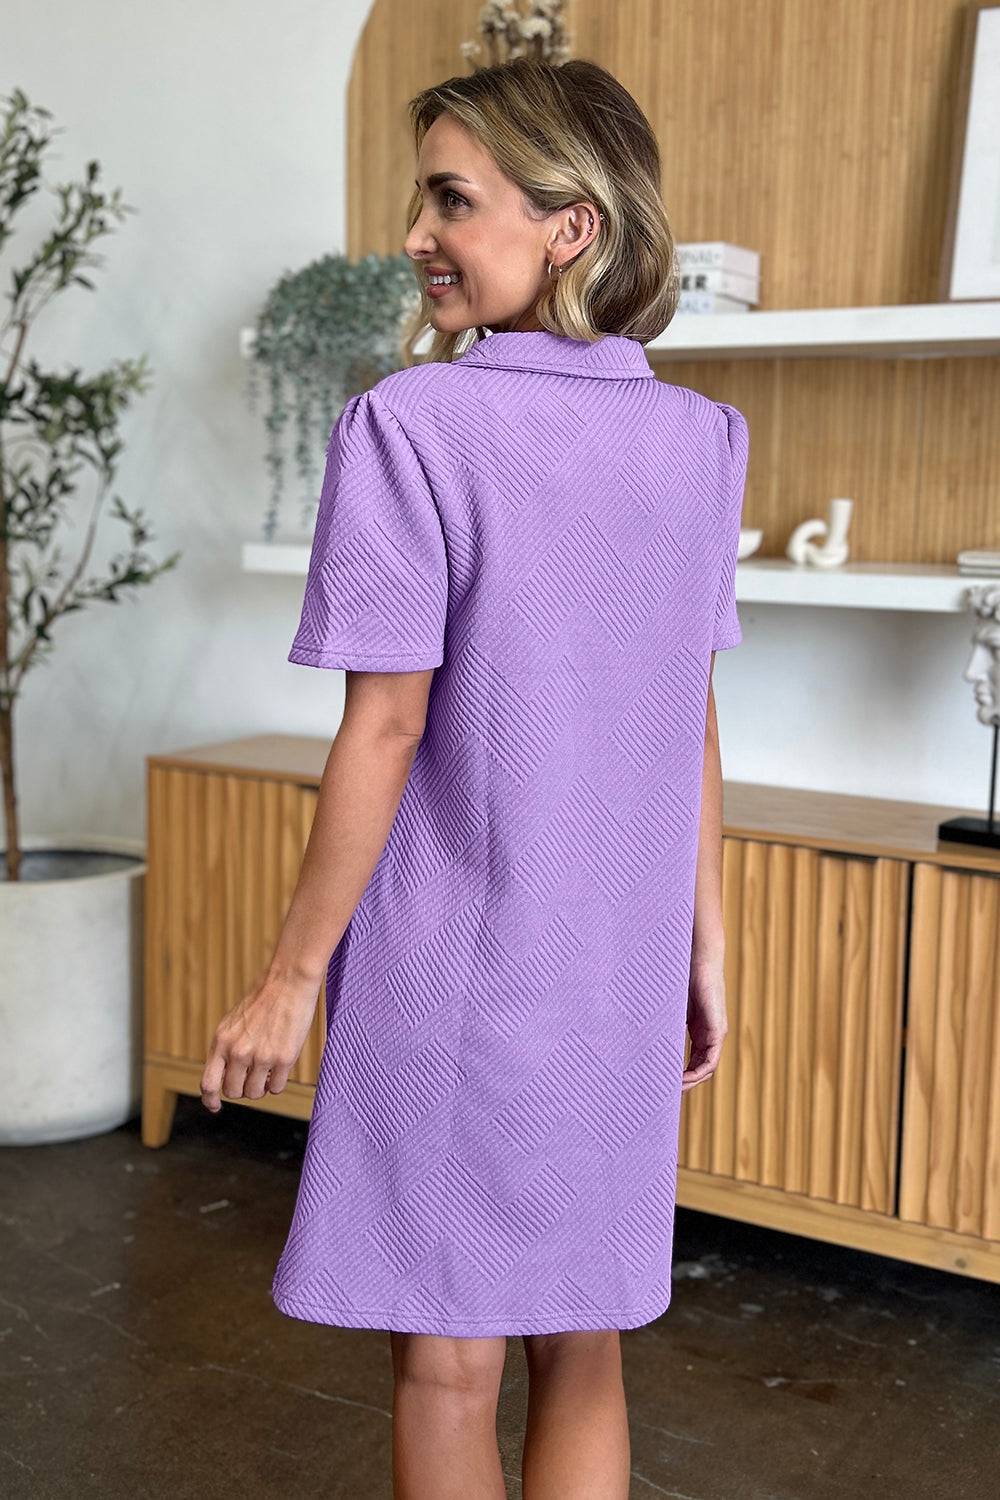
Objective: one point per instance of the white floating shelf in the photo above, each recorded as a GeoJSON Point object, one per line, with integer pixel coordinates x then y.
{"type": "Point", "coordinates": [926, 589]}
{"type": "Point", "coordinates": [276, 557]}
{"type": "Point", "coordinates": [916, 330]}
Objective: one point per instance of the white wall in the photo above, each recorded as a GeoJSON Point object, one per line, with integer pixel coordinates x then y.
{"type": "Point", "coordinates": [847, 700]}
{"type": "Point", "coordinates": [224, 124]}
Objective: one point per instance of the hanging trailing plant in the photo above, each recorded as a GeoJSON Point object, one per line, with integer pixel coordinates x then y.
{"type": "Point", "coordinates": [325, 333]}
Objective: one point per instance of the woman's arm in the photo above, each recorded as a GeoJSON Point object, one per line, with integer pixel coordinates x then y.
{"type": "Point", "coordinates": [708, 938]}
{"type": "Point", "coordinates": [257, 1042]}
{"type": "Point", "coordinates": [707, 1021]}
{"type": "Point", "coordinates": [363, 781]}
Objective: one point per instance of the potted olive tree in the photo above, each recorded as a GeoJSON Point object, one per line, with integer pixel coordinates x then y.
{"type": "Point", "coordinates": [70, 908]}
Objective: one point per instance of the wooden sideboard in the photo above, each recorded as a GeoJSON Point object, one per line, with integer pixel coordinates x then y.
{"type": "Point", "coordinates": [858, 1097]}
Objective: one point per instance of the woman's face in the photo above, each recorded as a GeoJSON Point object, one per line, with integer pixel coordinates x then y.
{"type": "Point", "coordinates": [473, 221]}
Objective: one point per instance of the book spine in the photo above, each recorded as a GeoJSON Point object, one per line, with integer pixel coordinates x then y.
{"type": "Point", "coordinates": [727, 283]}
{"type": "Point", "coordinates": [699, 255]}
{"type": "Point", "coordinates": [709, 302]}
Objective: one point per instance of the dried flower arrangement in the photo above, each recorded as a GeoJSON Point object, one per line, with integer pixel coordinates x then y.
{"type": "Point", "coordinates": [536, 31]}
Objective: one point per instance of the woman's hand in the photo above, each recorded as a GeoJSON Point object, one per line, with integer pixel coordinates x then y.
{"type": "Point", "coordinates": [706, 1020]}
{"type": "Point", "coordinates": [256, 1044]}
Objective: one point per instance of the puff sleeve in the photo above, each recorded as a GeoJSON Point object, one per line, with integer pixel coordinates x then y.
{"type": "Point", "coordinates": [726, 630]}
{"type": "Point", "coordinates": [377, 585]}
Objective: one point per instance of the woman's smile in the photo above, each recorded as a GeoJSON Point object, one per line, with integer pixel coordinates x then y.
{"type": "Point", "coordinates": [437, 286]}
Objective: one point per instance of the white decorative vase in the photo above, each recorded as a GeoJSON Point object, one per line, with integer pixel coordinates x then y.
{"type": "Point", "coordinates": [71, 989]}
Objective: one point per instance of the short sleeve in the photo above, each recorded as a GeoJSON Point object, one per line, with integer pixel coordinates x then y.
{"type": "Point", "coordinates": [377, 585]}
{"type": "Point", "coordinates": [727, 631]}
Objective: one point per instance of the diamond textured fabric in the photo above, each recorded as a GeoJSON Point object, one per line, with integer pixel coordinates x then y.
{"type": "Point", "coordinates": [493, 1144]}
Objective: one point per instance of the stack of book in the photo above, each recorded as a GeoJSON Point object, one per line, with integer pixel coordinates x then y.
{"type": "Point", "coordinates": [984, 562]}
{"type": "Point", "coordinates": [717, 277]}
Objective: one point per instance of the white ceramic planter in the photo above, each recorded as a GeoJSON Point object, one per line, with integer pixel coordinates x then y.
{"type": "Point", "coordinates": [71, 997]}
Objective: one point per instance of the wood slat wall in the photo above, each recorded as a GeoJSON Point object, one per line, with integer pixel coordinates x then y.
{"type": "Point", "coordinates": [820, 135]}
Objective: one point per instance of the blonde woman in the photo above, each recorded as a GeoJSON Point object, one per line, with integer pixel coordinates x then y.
{"type": "Point", "coordinates": [524, 561]}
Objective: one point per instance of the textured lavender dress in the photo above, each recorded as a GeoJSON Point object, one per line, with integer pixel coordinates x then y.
{"type": "Point", "coordinates": [493, 1144]}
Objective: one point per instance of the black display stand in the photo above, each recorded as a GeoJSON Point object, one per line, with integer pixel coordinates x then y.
{"type": "Point", "coordinates": [982, 831]}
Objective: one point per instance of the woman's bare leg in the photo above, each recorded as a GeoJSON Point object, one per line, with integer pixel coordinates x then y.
{"type": "Point", "coordinates": [444, 1417]}
{"type": "Point", "coordinates": [576, 1441]}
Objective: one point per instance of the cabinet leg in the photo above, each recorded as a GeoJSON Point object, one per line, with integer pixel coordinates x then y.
{"type": "Point", "coordinates": [158, 1105]}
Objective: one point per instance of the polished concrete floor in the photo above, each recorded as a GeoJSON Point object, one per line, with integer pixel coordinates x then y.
{"type": "Point", "coordinates": [140, 1353]}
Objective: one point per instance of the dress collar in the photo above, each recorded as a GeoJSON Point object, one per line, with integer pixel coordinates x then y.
{"type": "Point", "coordinates": [611, 357]}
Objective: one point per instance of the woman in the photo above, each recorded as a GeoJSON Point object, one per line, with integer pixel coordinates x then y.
{"type": "Point", "coordinates": [524, 560]}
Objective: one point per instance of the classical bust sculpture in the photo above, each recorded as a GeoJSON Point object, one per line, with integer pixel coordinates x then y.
{"type": "Point", "coordinates": [983, 666]}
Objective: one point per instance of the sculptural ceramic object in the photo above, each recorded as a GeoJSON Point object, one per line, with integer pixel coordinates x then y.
{"type": "Point", "coordinates": [834, 549]}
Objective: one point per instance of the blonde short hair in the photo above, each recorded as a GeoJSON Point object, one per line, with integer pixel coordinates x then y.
{"type": "Point", "coordinates": [566, 133]}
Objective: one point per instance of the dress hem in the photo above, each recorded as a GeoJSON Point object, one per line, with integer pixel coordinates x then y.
{"type": "Point", "coordinates": [353, 1317]}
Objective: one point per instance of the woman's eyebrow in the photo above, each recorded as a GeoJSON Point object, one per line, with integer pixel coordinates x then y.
{"type": "Point", "coordinates": [436, 179]}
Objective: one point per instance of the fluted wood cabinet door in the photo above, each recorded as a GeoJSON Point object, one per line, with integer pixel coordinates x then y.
{"type": "Point", "coordinates": [951, 1098]}
{"type": "Point", "coordinates": [224, 856]}
{"type": "Point", "coordinates": [806, 1097]}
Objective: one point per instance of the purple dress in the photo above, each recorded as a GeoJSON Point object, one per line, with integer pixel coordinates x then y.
{"type": "Point", "coordinates": [493, 1143]}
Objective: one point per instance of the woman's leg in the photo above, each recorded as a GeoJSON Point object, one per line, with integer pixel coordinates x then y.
{"type": "Point", "coordinates": [576, 1441]}
{"type": "Point", "coordinates": [444, 1417]}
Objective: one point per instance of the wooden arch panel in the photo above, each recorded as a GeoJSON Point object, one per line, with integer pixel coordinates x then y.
{"type": "Point", "coordinates": [820, 135]}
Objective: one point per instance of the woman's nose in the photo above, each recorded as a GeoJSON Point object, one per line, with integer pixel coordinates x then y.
{"type": "Point", "coordinates": [417, 244]}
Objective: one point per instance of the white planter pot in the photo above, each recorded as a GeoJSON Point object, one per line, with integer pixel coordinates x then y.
{"type": "Point", "coordinates": [71, 996]}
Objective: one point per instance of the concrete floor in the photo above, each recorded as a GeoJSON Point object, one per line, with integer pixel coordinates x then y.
{"type": "Point", "coordinates": [141, 1355]}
